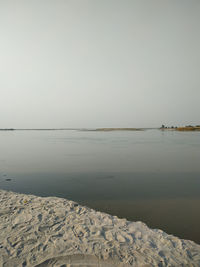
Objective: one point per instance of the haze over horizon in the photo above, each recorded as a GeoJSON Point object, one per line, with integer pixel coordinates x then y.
{"type": "Point", "coordinates": [108, 63]}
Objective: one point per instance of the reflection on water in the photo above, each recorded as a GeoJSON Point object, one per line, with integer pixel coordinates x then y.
{"type": "Point", "coordinates": [152, 176]}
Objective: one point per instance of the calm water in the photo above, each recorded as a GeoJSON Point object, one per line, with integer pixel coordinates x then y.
{"type": "Point", "coordinates": [152, 176]}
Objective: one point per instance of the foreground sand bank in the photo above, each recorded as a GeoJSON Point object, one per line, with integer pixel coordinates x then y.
{"type": "Point", "coordinates": [37, 231]}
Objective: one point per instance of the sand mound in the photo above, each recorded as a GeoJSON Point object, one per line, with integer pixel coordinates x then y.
{"type": "Point", "coordinates": [36, 231]}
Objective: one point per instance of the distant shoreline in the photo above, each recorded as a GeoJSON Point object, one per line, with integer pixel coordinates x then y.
{"type": "Point", "coordinates": [37, 129]}
{"type": "Point", "coordinates": [117, 129]}
{"type": "Point", "coordinates": [184, 128]}
{"type": "Point", "coordinates": [79, 129]}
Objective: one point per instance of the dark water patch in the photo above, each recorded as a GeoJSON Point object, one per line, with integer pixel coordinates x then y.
{"type": "Point", "coordinates": [95, 186]}
{"type": "Point", "coordinates": [166, 201]}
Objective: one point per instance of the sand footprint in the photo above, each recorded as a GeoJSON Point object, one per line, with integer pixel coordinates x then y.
{"type": "Point", "coordinates": [22, 218]}
{"type": "Point", "coordinates": [39, 217]}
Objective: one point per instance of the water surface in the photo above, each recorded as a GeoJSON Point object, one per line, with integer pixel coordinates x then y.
{"type": "Point", "coordinates": [152, 175]}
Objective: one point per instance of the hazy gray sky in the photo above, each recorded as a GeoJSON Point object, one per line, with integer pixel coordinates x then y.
{"type": "Point", "coordinates": [99, 63]}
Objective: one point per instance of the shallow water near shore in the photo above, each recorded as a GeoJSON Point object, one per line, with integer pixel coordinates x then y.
{"type": "Point", "coordinates": [151, 176]}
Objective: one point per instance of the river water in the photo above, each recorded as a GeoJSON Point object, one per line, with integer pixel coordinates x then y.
{"type": "Point", "coordinates": [151, 176]}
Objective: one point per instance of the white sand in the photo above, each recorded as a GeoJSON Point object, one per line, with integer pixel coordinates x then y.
{"type": "Point", "coordinates": [36, 231]}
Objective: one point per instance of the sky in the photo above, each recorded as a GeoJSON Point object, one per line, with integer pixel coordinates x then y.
{"type": "Point", "coordinates": [99, 63]}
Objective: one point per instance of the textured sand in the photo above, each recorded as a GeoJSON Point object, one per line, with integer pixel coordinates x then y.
{"type": "Point", "coordinates": [36, 231]}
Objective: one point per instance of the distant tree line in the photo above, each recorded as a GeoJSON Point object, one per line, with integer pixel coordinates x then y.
{"type": "Point", "coordinates": [167, 127]}
{"type": "Point", "coordinates": [175, 127]}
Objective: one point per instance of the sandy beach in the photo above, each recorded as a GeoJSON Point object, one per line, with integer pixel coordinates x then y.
{"type": "Point", "coordinates": [51, 231]}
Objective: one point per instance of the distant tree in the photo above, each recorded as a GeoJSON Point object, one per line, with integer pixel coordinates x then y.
{"type": "Point", "coordinates": [163, 126]}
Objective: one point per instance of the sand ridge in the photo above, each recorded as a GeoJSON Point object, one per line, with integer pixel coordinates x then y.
{"type": "Point", "coordinates": [51, 231]}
